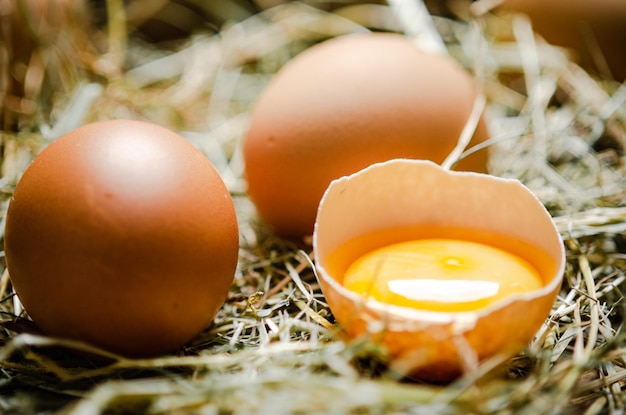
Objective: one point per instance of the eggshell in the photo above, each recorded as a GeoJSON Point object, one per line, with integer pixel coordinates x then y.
{"type": "Point", "coordinates": [407, 193]}
{"type": "Point", "coordinates": [344, 104]}
{"type": "Point", "coordinates": [122, 234]}
{"type": "Point", "coordinates": [595, 30]}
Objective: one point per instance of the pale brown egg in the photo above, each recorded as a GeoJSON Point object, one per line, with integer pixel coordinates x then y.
{"type": "Point", "coordinates": [594, 30]}
{"type": "Point", "coordinates": [347, 103]}
{"type": "Point", "coordinates": [122, 234]}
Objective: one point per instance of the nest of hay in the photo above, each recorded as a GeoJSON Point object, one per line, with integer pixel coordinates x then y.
{"type": "Point", "coordinates": [273, 348]}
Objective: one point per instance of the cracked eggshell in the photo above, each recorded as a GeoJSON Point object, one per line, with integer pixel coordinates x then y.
{"type": "Point", "coordinates": [405, 194]}
{"type": "Point", "coordinates": [122, 234]}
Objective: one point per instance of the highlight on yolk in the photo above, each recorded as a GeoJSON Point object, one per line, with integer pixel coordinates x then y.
{"type": "Point", "coordinates": [441, 274]}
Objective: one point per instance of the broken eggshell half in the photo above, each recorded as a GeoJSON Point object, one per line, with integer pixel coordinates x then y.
{"type": "Point", "coordinates": [393, 199]}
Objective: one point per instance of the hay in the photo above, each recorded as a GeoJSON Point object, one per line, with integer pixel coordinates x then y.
{"type": "Point", "coordinates": [273, 348]}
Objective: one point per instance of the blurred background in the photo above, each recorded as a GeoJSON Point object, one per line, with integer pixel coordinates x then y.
{"type": "Point", "coordinates": [49, 47]}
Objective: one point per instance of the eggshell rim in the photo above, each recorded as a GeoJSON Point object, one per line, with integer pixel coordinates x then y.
{"type": "Point", "coordinates": [462, 320]}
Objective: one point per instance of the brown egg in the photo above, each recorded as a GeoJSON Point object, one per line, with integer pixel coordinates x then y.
{"type": "Point", "coordinates": [343, 105]}
{"type": "Point", "coordinates": [595, 30]}
{"type": "Point", "coordinates": [123, 235]}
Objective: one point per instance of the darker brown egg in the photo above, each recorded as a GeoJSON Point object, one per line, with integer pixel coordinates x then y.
{"type": "Point", "coordinates": [123, 235]}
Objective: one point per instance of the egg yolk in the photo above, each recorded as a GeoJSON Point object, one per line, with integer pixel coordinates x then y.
{"type": "Point", "coordinates": [445, 275]}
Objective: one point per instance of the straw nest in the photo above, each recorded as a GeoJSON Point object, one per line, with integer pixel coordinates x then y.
{"type": "Point", "coordinates": [273, 348]}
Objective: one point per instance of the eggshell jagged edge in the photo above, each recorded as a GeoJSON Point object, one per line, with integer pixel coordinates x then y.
{"type": "Point", "coordinates": [404, 192]}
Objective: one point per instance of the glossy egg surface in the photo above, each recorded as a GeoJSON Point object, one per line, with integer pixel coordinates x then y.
{"type": "Point", "coordinates": [122, 234]}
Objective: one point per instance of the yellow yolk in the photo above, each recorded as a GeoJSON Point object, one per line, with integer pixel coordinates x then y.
{"type": "Point", "coordinates": [441, 275]}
